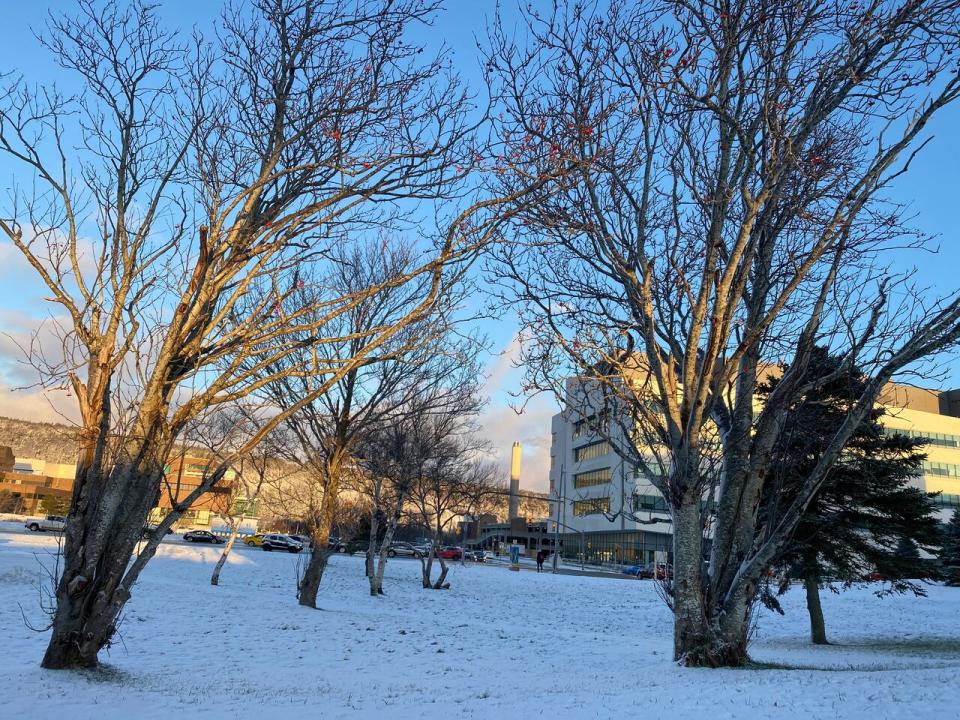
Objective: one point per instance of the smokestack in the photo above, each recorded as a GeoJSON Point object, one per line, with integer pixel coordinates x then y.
{"type": "Point", "coordinates": [515, 482]}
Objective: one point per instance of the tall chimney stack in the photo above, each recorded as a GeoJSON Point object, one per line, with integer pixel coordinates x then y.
{"type": "Point", "coordinates": [515, 482]}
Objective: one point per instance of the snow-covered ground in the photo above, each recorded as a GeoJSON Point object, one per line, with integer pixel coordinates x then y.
{"type": "Point", "coordinates": [496, 645]}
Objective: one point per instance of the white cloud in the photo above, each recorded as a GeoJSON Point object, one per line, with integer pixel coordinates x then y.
{"type": "Point", "coordinates": [502, 425]}
{"type": "Point", "coordinates": [53, 406]}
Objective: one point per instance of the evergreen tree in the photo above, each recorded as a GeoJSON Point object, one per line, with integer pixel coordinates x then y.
{"type": "Point", "coordinates": [865, 521]}
{"type": "Point", "coordinates": [950, 553]}
{"type": "Point", "coordinates": [54, 505]}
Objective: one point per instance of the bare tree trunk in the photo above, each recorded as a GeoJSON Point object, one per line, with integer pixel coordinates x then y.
{"type": "Point", "coordinates": [428, 583]}
{"type": "Point", "coordinates": [818, 630]}
{"type": "Point", "coordinates": [234, 529]}
{"type": "Point", "coordinates": [376, 579]}
{"type": "Point", "coordinates": [372, 544]}
{"type": "Point", "coordinates": [693, 637]}
{"type": "Point", "coordinates": [440, 584]}
{"type": "Point", "coordinates": [426, 566]}
{"type": "Point", "coordinates": [309, 584]}
{"type": "Point", "coordinates": [102, 532]}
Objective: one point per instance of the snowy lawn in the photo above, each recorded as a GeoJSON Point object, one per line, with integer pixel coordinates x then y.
{"type": "Point", "coordinates": [496, 645]}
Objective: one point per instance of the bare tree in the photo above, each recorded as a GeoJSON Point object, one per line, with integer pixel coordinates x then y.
{"type": "Point", "coordinates": [452, 482]}
{"type": "Point", "coordinates": [429, 358]}
{"type": "Point", "coordinates": [174, 206]}
{"type": "Point", "coordinates": [258, 469]}
{"type": "Point", "coordinates": [725, 209]}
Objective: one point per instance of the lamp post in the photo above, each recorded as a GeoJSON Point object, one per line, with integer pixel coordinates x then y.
{"type": "Point", "coordinates": [463, 543]}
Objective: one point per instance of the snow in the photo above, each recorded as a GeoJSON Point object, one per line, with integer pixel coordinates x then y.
{"type": "Point", "coordinates": [498, 644]}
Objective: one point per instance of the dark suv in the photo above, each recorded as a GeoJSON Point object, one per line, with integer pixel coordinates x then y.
{"type": "Point", "coordinates": [281, 542]}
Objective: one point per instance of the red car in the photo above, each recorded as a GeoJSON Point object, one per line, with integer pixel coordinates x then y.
{"type": "Point", "coordinates": [451, 553]}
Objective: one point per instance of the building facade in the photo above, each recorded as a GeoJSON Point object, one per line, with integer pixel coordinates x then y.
{"type": "Point", "coordinates": [606, 511]}
{"type": "Point", "coordinates": [29, 480]}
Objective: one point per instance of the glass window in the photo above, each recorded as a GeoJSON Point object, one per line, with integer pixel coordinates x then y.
{"type": "Point", "coordinates": [592, 477]}
{"type": "Point", "coordinates": [591, 451]}
{"type": "Point", "coordinates": [942, 469]}
{"type": "Point", "coordinates": [649, 502]}
{"type": "Point", "coordinates": [947, 501]}
{"type": "Point", "coordinates": [588, 424]}
{"type": "Point", "coordinates": [938, 439]}
{"type": "Point", "coordinates": [594, 506]}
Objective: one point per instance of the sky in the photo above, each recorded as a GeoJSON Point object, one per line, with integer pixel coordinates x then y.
{"type": "Point", "coordinates": [930, 189]}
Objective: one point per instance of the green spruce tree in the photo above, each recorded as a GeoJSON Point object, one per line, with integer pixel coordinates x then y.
{"type": "Point", "coordinates": [866, 520]}
{"type": "Point", "coordinates": [950, 553]}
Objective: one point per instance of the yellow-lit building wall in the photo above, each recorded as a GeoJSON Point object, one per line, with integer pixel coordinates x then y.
{"type": "Point", "coordinates": [942, 468]}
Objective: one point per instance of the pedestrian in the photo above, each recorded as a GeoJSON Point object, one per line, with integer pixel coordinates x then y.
{"type": "Point", "coordinates": [540, 556]}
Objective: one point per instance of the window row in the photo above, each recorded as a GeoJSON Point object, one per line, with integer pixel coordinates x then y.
{"type": "Point", "coordinates": [591, 451]}
{"type": "Point", "coordinates": [939, 468]}
{"type": "Point", "coordinates": [594, 506]}
{"type": "Point", "coordinates": [649, 502]}
{"type": "Point", "coordinates": [592, 477]}
{"type": "Point", "coordinates": [947, 501]}
{"type": "Point", "coordinates": [939, 439]}
{"type": "Point", "coordinates": [588, 424]}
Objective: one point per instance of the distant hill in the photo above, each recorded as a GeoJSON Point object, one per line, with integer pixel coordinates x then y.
{"type": "Point", "coordinates": [47, 441]}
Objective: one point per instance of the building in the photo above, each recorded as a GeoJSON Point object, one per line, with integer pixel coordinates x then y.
{"type": "Point", "coordinates": [526, 523]}
{"type": "Point", "coordinates": [607, 511]}
{"type": "Point", "coordinates": [183, 475]}
{"type": "Point", "coordinates": [29, 480]}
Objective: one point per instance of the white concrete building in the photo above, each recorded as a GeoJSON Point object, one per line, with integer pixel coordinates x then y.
{"type": "Point", "coordinates": [605, 508]}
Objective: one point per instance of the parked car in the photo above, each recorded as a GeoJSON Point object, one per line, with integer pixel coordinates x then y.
{"type": "Point", "coordinates": [56, 523]}
{"type": "Point", "coordinates": [662, 571]}
{"type": "Point", "coordinates": [424, 550]}
{"type": "Point", "coordinates": [356, 545]}
{"type": "Point", "coordinates": [334, 544]}
{"type": "Point", "coordinates": [202, 536]}
{"type": "Point", "coordinates": [476, 555]}
{"type": "Point", "coordinates": [281, 542]}
{"type": "Point", "coordinates": [255, 540]}
{"type": "Point", "coordinates": [302, 539]}
{"type": "Point", "coordinates": [149, 530]}
{"type": "Point", "coordinates": [451, 552]}
{"type": "Point", "coordinates": [403, 549]}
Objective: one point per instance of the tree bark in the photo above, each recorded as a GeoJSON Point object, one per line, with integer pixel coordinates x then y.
{"type": "Point", "coordinates": [309, 584]}
{"type": "Point", "coordinates": [439, 584]}
{"type": "Point", "coordinates": [234, 529]}
{"type": "Point", "coordinates": [103, 530]}
{"type": "Point", "coordinates": [426, 567]}
{"type": "Point", "coordinates": [376, 579]}
{"type": "Point", "coordinates": [818, 630]}
{"type": "Point", "coordinates": [699, 640]}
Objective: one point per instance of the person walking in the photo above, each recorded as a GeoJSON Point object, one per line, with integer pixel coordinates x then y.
{"type": "Point", "coordinates": [540, 557]}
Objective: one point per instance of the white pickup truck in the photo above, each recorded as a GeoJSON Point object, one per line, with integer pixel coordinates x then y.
{"type": "Point", "coordinates": [51, 522]}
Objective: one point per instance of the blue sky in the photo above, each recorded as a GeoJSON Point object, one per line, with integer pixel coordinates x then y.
{"type": "Point", "coordinates": [931, 190]}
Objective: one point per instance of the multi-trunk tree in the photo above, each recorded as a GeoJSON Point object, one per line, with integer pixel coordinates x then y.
{"type": "Point", "coordinates": [427, 363]}
{"type": "Point", "coordinates": [407, 448]}
{"type": "Point", "coordinates": [724, 207]}
{"type": "Point", "coordinates": [865, 511]}
{"type": "Point", "coordinates": [173, 206]}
